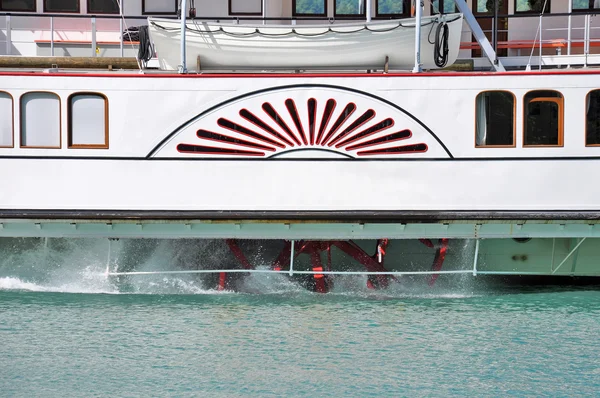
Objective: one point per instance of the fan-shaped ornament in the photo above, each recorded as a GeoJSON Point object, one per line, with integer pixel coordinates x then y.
{"type": "Point", "coordinates": [309, 122]}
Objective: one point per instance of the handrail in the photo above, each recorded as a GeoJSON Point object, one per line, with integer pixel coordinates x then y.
{"type": "Point", "coordinates": [293, 18]}
{"type": "Point", "coordinates": [587, 39]}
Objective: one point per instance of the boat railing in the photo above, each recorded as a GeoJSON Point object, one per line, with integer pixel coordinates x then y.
{"type": "Point", "coordinates": [524, 40]}
{"type": "Point", "coordinates": [551, 39]}
{"type": "Point", "coordinates": [14, 32]}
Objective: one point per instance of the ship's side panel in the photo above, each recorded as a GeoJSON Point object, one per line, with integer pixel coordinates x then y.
{"type": "Point", "coordinates": [299, 143]}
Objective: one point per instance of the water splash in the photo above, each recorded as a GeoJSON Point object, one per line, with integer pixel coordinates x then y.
{"type": "Point", "coordinates": [79, 266]}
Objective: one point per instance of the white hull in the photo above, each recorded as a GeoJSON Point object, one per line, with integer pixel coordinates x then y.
{"type": "Point", "coordinates": [153, 119]}
{"type": "Point", "coordinates": [319, 186]}
{"type": "Point", "coordinates": [357, 46]}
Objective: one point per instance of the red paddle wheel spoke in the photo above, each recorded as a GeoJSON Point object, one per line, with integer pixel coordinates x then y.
{"type": "Point", "coordinates": [239, 255]}
{"type": "Point", "coordinates": [318, 281]}
{"type": "Point", "coordinates": [372, 265]}
{"type": "Point", "coordinates": [438, 260]}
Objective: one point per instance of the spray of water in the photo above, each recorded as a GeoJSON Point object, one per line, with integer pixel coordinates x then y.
{"type": "Point", "coordinates": [80, 265]}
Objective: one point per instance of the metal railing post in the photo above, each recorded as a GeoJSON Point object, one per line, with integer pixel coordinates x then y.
{"type": "Point", "coordinates": [586, 44]}
{"type": "Point", "coordinates": [475, 257]}
{"type": "Point", "coordinates": [93, 36]}
{"type": "Point", "coordinates": [183, 28]}
{"type": "Point", "coordinates": [8, 39]}
{"type": "Point", "coordinates": [418, 14]}
{"type": "Point", "coordinates": [292, 258]}
{"type": "Point", "coordinates": [52, 36]}
{"type": "Point", "coordinates": [569, 28]}
{"type": "Point", "coordinates": [541, 40]}
{"type": "Point", "coordinates": [121, 41]}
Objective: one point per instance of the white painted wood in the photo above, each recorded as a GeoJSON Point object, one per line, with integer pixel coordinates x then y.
{"type": "Point", "coordinates": [146, 109]}
{"type": "Point", "coordinates": [40, 120]}
{"type": "Point", "coordinates": [245, 6]}
{"type": "Point", "coordinates": [6, 120]}
{"type": "Point", "coordinates": [88, 124]}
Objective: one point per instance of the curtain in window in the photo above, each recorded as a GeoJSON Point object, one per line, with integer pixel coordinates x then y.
{"type": "Point", "coordinates": [481, 119]}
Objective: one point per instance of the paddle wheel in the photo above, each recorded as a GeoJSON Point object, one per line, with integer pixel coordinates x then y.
{"type": "Point", "coordinates": [319, 278]}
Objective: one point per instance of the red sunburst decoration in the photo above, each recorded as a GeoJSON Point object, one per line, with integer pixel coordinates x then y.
{"type": "Point", "coordinates": [339, 129]}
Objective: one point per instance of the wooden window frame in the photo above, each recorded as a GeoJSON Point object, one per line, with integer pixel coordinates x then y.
{"type": "Point", "coordinates": [514, 145]}
{"type": "Point", "coordinates": [70, 144]}
{"type": "Point", "coordinates": [89, 2]}
{"type": "Point", "coordinates": [244, 13]}
{"type": "Point", "coordinates": [144, 12]}
{"type": "Point", "coordinates": [585, 117]}
{"type": "Point", "coordinates": [406, 4]}
{"type": "Point", "coordinates": [549, 5]}
{"type": "Point", "coordinates": [586, 10]}
{"type": "Point", "coordinates": [361, 15]}
{"type": "Point", "coordinates": [21, 121]}
{"type": "Point", "coordinates": [78, 11]}
{"type": "Point", "coordinates": [560, 101]}
{"type": "Point", "coordinates": [12, 101]}
{"type": "Point", "coordinates": [20, 9]}
{"type": "Point", "coordinates": [324, 14]}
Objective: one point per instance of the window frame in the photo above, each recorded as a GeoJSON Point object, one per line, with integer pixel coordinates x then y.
{"type": "Point", "coordinates": [70, 144]}
{"type": "Point", "coordinates": [549, 6]}
{"type": "Point", "coordinates": [12, 100]}
{"type": "Point", "coordinates": [295, 14]}
{"type": "Point", "coordinates": [34, 9]}
{"type": "Point", "coordinates": [244, 13]}
{"type": "Point", "coordinates": [406, 6]}
{"type": "Point", "coordinates": [362, 15]}
{"type": "Point", "coordinates": [586, 10]}
{"type": "Point", "coordinates": [89, 3]}
{"type": "Point", "coordinates": [585, 117]}
{"type": "Point", "coordinates": [514, 97]}
{"type": "Point", "coordinates": [78, 11]}
{"type": "Point", "coordinates": [144, 12]}
{"type": "Point", "coordinates": [21, 121]}
{"type": "Point", "coordinates": [560, 101]}
{"type": "Point", "coordinates": [443, 12]}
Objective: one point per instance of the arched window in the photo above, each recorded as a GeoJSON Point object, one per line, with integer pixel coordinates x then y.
{"type": "Point", "coordinates": [495, 119]}
{"type": "Point", "coordinates": [6, 120]}
{"type": "Point", "coordinates": [88, 120]}
{"type": "Point", "coordinates": [543, 118]}
{"type": "Point", "coordinates": [592, 118]}
{"type": "Point", "coordinates": [40, 120]}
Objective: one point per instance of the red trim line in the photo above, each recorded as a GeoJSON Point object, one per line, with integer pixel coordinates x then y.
{"type": "Point", "coordinates": [111, 75]}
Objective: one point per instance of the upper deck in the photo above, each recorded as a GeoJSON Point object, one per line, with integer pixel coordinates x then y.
{"type": "Point", "coordinates": [565, 33]}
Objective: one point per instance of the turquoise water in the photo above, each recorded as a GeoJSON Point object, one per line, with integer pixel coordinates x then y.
{"type": "Point", "coordinates": [68, 330]}
{"type": "Point", "coordinates": [471, 341]}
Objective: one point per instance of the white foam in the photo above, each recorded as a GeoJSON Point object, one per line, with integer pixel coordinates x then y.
{"type": "Point", "coordinates": [9, 283]}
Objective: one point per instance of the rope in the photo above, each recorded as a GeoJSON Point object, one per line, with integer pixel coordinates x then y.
{"type": "Point", "coordinates": [440, 50]}
{"type": "Point", "coordinates": [127, 31]}
{"type": "Point", "coordinates": [146, 49]}
{"type": "Point", "coordinates": [537, 32]}
{"type": "Point", "coordinates": [293, 31]}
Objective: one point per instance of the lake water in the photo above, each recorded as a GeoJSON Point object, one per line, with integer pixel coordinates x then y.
{"type": "Point", "coordinates": [180, 340]}
{"type": "Point", "coordinates": [68, 330]}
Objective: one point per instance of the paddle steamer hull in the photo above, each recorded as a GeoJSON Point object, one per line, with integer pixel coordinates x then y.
{"type": "Point", "coordinates": [308, 156]}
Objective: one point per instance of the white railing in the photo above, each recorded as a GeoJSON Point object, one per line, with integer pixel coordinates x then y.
{"type": "Point", "coordinates": [564, 32]}
{"type": "Point", "coordinates": [21, 31]}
